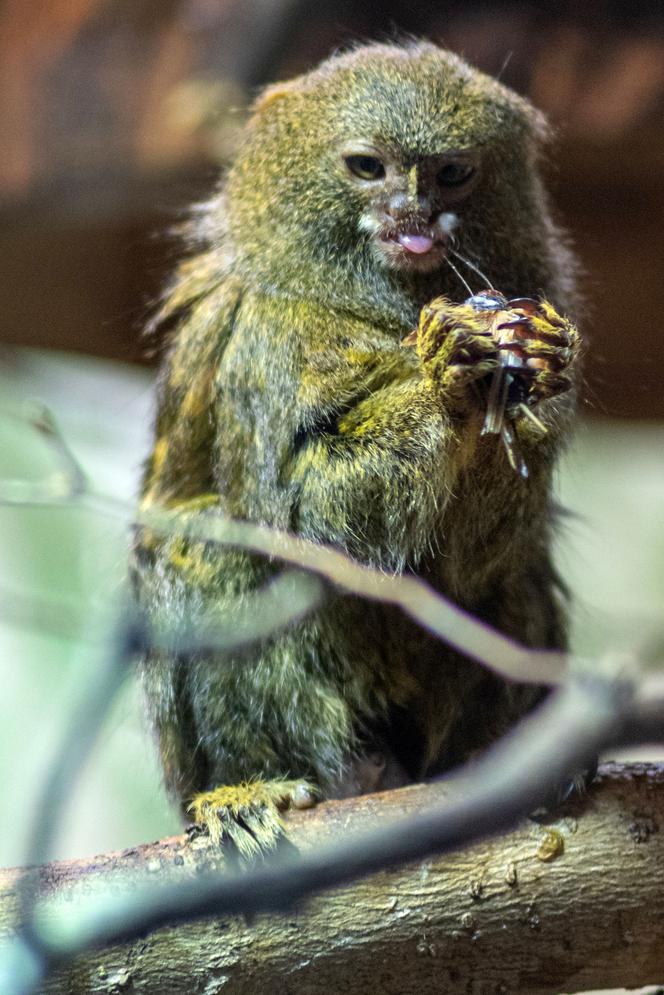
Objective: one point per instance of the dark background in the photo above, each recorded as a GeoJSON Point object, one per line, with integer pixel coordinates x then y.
{"type": "Point", "coordinates": [115, 114]}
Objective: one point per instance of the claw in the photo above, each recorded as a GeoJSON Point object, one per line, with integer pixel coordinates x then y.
{"type": "Point", "coordinates": [527, 304]}
{"type": "Point", "coordinates": [576, 786]}
{"type": "Point", "coordinates": [545, 329]}
{"type": "Point", "coordinates": [515, 345]}
{"type": "Point", "coordinates": [515, 323]}
{"type": "Point", "coordinates": [555, 361]}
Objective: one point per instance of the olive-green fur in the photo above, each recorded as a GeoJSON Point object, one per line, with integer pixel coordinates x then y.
{"type": "Point", "coordinates": [286, 398]}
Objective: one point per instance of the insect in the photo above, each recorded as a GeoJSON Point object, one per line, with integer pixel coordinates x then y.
{"type": "Point", "coordinates": [508, 392]}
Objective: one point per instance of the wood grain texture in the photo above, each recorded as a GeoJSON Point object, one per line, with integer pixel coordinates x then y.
{"type": "Point", "coordinates": [574, 905]}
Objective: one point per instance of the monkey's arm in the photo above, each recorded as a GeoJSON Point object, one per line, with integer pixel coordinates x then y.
{"type": "Point", "coordinates": [376, 484]}
{"type": "Point", "coordinates": [378, 480]}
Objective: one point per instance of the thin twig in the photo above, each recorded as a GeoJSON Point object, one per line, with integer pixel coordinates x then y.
{"type": "Point", "coordinates": [78, 737]}
{"type": "Point", "coordinates": [64, 485]}
{"type": "Point", "coordinates": [58, 615]}
{"type": "Point", "coordinates": [454, 626]}
{"type": "Point", "coordinates": [284, 600]}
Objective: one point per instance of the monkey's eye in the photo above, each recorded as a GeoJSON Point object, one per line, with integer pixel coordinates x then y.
{"type": "Point", "coordinates": [455, 174]}
{"type": "Point", "coordinates": [365, 167]}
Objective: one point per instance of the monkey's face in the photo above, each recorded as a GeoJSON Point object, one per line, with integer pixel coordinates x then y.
{"type": "Point", "coordinates": [362, 181]}
{"type": "Point", "coordinates": [408, 202]}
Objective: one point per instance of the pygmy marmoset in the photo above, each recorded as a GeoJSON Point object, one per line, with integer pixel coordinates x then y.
{"type": "Point", "coordinates": [287, 398]}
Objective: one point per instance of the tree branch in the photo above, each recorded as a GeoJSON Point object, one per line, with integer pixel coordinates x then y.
{"type": "Point", "coordinates": [519, 913]}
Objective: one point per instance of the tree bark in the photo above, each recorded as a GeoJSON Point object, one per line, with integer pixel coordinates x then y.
{"type": "Point", "coordinates": [573, 905]}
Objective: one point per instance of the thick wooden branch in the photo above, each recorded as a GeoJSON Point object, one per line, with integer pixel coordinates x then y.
{"type": "Point", "coordinates": [574, 905]}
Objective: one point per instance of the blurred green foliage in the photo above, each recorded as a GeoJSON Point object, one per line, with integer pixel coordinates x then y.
{"type": "Point", "coordinates": [78, 557]}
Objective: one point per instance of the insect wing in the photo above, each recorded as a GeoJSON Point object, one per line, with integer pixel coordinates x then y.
{"type": "Point", "coordinates": [496, 401]}
{"type": "Point", "coordinates": [513, 449]}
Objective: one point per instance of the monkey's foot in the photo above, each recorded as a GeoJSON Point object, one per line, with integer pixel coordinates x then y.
{"type": "Point", "coordinates": [547, 345]}
{"type": "Point", "coordinates": [248, 814]}
{"type": "Point", "coordinates": [455, 345]}
{"type": "Point", "coordinates": [576, 787]}
{"type": "Point", "coordinates": [376, 770]}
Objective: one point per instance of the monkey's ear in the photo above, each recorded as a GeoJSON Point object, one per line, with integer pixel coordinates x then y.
{"type": "Point", "coordinates": [270, 95]}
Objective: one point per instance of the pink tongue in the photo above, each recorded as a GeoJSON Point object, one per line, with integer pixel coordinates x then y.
{"type": "Point", "coordinates": [416, 243]}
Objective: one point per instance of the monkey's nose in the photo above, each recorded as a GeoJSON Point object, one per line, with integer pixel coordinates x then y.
{"type": "Point", "coordinates": [401, 205]}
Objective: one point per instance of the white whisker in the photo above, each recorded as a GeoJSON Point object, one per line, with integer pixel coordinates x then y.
{"type": "Point", "coordinates": [455, 270]}
{"type": "Point", "coordinates": [471, 265]}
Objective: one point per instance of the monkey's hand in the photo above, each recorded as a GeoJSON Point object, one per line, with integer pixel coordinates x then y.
{"type": "Point", "coordinates": [546, 344]}
{"type": "Point", "coordinates": [248, 815]}
{"type": "Point", "coordinates": [456, 347]}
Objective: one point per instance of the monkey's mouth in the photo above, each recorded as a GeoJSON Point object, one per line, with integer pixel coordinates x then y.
{"type": "Point", "coordinates": [413, 247]}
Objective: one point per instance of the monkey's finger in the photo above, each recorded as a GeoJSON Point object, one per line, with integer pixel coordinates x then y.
{"type": "Point", "coordinates": [527, 304]}
{"type": "Point", "coordinates": [460, 374]}
{"type": "Point", "coordinates": [548, 384]}
{"type": "Point", "coordinates": [531, 328]}
{"type": "Point", "coordinates": [551, 355]}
